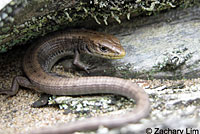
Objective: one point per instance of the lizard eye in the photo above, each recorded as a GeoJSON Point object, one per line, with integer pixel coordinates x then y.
{"type": "Point", "coordinates": [103, 49]}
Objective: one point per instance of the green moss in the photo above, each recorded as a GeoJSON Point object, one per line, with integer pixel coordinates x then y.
{"type": "Point", "coordinates": [3, 49]}
{"type": "Point", "coordinates": [30, 25]}
{"type": "Point", "coordinates": [5, 29]}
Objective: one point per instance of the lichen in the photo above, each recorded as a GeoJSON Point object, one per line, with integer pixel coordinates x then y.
{"type": "Point", "coordinates": [170, 61]}
{"type": "Point", "coordinates": [41, 17]}
{"type": "Point", "coordinates": [91, 104]}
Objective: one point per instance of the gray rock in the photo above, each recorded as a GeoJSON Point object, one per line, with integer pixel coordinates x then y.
{"type": "Point", "coordinates": [162, 46]}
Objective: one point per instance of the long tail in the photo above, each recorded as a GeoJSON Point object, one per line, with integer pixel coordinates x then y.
{"type": "Point", "coordinates": [127, 89]}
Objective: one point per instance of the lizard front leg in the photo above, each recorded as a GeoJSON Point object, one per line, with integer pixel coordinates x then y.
{"type": "Point", "coordinates": [77, 62]}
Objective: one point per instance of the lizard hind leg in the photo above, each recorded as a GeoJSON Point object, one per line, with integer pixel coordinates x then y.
{"type": "Point", "coordinates": [17, 81]}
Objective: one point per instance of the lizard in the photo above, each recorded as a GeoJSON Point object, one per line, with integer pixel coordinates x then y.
{"type": "Point", "coordinates": [44, 53]}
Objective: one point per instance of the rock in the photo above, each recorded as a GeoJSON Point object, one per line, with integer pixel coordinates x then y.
{"type": "Point", "coordinates": [22, 20]}
{"type": "Point", "coordinates": [161, 46]}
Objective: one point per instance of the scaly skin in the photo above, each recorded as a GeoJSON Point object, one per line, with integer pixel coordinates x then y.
{"type": "Point", "coordinates": [42, 55]}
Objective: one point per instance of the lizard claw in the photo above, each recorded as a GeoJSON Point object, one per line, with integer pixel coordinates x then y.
{"type": "Point", "coordinates": [89, 67]}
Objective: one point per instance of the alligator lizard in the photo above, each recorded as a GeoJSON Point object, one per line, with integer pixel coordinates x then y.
{"type": "Point", "coordinates": [42, 55]}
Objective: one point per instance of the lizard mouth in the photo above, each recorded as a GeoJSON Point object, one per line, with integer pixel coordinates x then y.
{"type": "Point", "coordinates": [120, 55]}
{"type": "Point", "coordinates": [114, 56]}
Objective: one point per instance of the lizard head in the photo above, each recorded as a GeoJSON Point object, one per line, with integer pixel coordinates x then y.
{"type": "Point", "coordinates": [105, 46]}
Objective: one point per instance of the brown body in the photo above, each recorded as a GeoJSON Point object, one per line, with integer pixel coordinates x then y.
{"type": "Point", "coordinates": [40, 58]}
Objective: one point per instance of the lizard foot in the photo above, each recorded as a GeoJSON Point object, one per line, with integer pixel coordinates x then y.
{"type": "Point", "coordinates": [6, 92]}
{"type": "Point", "coordinates": [42, 101]}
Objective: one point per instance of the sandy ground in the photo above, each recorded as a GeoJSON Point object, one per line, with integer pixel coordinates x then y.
{"type": "Point", "coordinates": [17, 115]}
